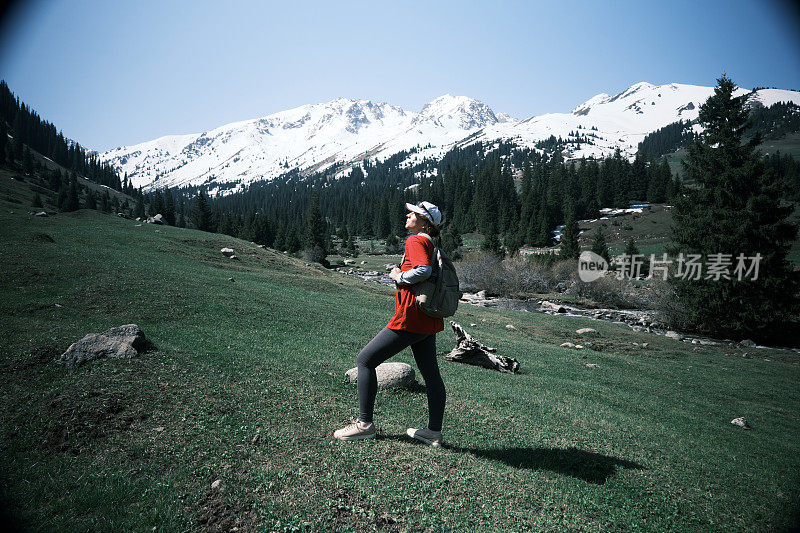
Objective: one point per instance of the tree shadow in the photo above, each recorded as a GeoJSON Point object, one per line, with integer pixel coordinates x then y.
{"type": "Point", "coordinates": [588, 466]}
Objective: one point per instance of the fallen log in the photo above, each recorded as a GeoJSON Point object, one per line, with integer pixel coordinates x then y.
{"type": "Point", "coordinates": [471, 352]}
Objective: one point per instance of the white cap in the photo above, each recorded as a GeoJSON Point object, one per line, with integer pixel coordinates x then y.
{"type": "Point", "coordinates": [428, 210]}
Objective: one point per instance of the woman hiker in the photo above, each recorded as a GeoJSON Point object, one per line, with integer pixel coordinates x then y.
{"type": "Point", "coordinates": [408, 327]}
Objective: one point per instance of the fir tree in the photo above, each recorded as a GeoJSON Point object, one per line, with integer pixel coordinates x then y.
{"type": "Point", "coordinates": [569, 238]}
{"type": "Point", "coordinates": [734, 208]}
{"type": "Point", "coordinates": [451, 242]}
{"type": "Point", "coordinates": [37, 200]}
{"type": "Point", "coordinates": [491, 242]}
{"type": "Point", "coordinates": [599, 245]}
{"type": "Point", "coordinates": [91, 200]}
{"type": "Point", "coordinates": [316, 234]}
{"type": "Point", "coordinates": [72, 203]}
{"type": "Point", "coordinates": [202, 217]}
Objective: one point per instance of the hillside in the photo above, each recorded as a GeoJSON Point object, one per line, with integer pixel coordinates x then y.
{"type": "Point", "coordinates": [246, 384]}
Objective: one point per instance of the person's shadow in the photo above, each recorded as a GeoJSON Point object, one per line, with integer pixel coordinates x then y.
{"type": "Point", "coordinates": [588, 466]}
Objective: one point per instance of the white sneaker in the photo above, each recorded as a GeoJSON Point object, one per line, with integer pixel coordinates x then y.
{"type": "Point", "coordinates": [356, 431]}
{"type": "Point", "coordinates": [434, 438]}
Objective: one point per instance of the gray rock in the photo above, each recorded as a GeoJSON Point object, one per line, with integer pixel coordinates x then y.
{"type": "Point", "coordinates": [553, 306]}
{"type": "Point", "coordinates": [674, 335]}
{"type": "Point", "coordinates": [41, 214]}
{"type": "Point", "coordinates": [510, 327]}
{"type": "Point", "coordinates": [748, 343]}
{"type": "Point", "coordinates": [567, 345]}
{"type": "Point", "coordinates": [586, 331]}
{"type": "Point", "coordinates": [122, 342]}
{"type": "Point", "coordinates": [480, 294]}
{"type": "Point", "coordinates": [363, 262]}
{"type": "Point", "coordinates": [157, 219]}
{"type": "Point", "coordinates": [389, 375]}
{"type": "Point", "coordinates": [741, 422]}
{"type": "Point", "coordinates": [349, 262]}
{"type": "Point", "coordinates": [227, 252]}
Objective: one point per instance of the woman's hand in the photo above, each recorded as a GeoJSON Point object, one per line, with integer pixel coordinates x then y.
{"type": "Point", "coordinates": [395, 274]}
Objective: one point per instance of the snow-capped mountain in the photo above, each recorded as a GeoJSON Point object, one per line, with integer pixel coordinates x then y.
{"type": "Point", "coordinates": [346, 131]}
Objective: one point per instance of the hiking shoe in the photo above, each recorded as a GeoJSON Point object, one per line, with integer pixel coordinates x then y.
{"type": "Point", "coordinates": [356, 431]}
{"type": "Point", "coordinates": [434, 438]}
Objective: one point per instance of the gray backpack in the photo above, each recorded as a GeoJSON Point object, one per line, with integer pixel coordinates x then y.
{"type": "Point", "coordinates": [438, 295]}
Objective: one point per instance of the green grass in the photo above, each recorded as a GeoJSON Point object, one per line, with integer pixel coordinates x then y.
{"type": "Point", "coordinates": [246, 385]}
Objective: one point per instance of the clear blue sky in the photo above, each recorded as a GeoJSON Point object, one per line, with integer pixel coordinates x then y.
{"type": "Point", "coordinates": [113, 73]}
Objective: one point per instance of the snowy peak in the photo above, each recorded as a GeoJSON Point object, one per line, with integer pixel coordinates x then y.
{"type": "Point", "coordinates": [459, 112]}
{"type": "Point", "coordinates": [345, 131]}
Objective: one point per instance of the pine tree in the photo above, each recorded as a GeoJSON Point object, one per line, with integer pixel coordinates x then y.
{"type": "Point", "coordinates": [72, 203]}
{"type": "Point", "coordinates": [202, 217]}
{"type": "Point", "coordinates": [316, 234]}
{"type": "Point", "coordinates": [491, 242]}
{"type": "Point", "coordinates": [631, 248]}
{"type": "Point", "coordinates": [37, 200]}
{"type": "Point", "coordinates": [91, 200]}
{"type": "Point", "coordinates": [734, 208]}
{"type": "Point", "coordinates": [569, 238]}
{"type": "Point", "coordinates": [599, 245]}
{"type": "Point", "coordinates": [451, 242]}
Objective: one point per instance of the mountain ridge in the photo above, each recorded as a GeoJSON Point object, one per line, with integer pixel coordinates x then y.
{"type": "Point", "coordinates": [345, 131]}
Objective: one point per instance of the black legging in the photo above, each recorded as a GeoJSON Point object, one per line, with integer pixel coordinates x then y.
{"type": "Point", "coordinates": [387, 343]}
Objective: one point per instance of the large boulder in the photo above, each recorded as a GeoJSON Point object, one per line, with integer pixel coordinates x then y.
{"type": "Point", "coordinates": [389, 375]}
{"type": "Point", "coordinates": [122, 342]}
{"type": "Point", "coordinates": [158, 219]}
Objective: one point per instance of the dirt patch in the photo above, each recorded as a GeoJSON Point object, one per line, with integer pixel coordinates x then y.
{"type": "Point", "coordinates": [216, 513]}
{"type": "Point", "coordinates": [76, 422]}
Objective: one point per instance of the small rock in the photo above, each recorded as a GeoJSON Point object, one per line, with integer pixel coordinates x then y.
{"type": "Point", "coordinates": [227, 252]}
{"type": "Point", "coordinates": [363, 262]}
{"type": "Point", "coordinates": [41, 214]}
{"type": "Point", "coordinates": [216, 484]}
{"type": "Point", "coordinates": [137, 225]}
{"type": "Point", "coordinates": [158, 231]}
{"type": "Point", "coordinates": [674, 335]}
{"type": "Point", "coordinates": [256, 439]}
{"type": "Point", "coordinates": [158, 219]}
{"type": "Point", "coordinates": [481, 294]}
{"type": "Point", "coordinates": [235, 257]}
{"type": "Point", "coordinates": [747, 355]}
{"type": "Point", "coordinates": [59, 305]}
{"type": "Point", "coordinates": [567, 345]}
{"type": "Point", "coordinates": [159, 429]}
{"type": "Point", "coordinates": [637, 328]}
{"type": "Point", "coordinates": [473, 325]}
{"type": "Point", "coordinates": [748, 343]}
{"type": "Point", "coordinates": [510, 327]}
{"type": "Point", "coordinates": [389, 375]}
{"type": "Point", "coordinates": [741, 422]}
{"type": "Point", "coordinates": [645, 344]}
{"type": "Point", "coordinates": [579, 347]}
{"type": "Point", "coordinates": [586, 331]}
{"type": "Point", "coordinates": [231, 280]}
{"type": "Point", "coordinates": [591, 365]}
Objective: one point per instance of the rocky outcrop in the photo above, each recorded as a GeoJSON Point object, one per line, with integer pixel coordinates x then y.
{"type": "Point", "coordinates": [122, 342]}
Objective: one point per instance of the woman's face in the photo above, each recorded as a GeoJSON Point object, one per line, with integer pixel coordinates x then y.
{"type": "Point", "coordinates": [414, 222]}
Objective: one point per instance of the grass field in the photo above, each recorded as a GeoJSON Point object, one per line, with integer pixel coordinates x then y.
{"type": "Point", "coordinates": [246, 385]}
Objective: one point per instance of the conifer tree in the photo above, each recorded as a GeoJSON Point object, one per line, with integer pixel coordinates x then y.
{"type": "Point", "coordinates": [72, 203]}
{"type": "Point", "coordinates": [491, 242]}
{"type": "Point", "coordinates": [734, 208]}
{"type": "Point", "coordinates": [37, 200]}
{"type": "Point", "coordinates": [569, 237]}
{"type": "Point", "coordinates": [316, 234]}
{"type": "Point", "coordinates": [202, 217]}
{"type": "Point", "coordinates": [91, 200]}
{"type": "Point", "coordinates": [451, 241]}
{"type": "Point", "coordinates": [599, 245]}
{"type": "Point", "coordinates": [631, 248]}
